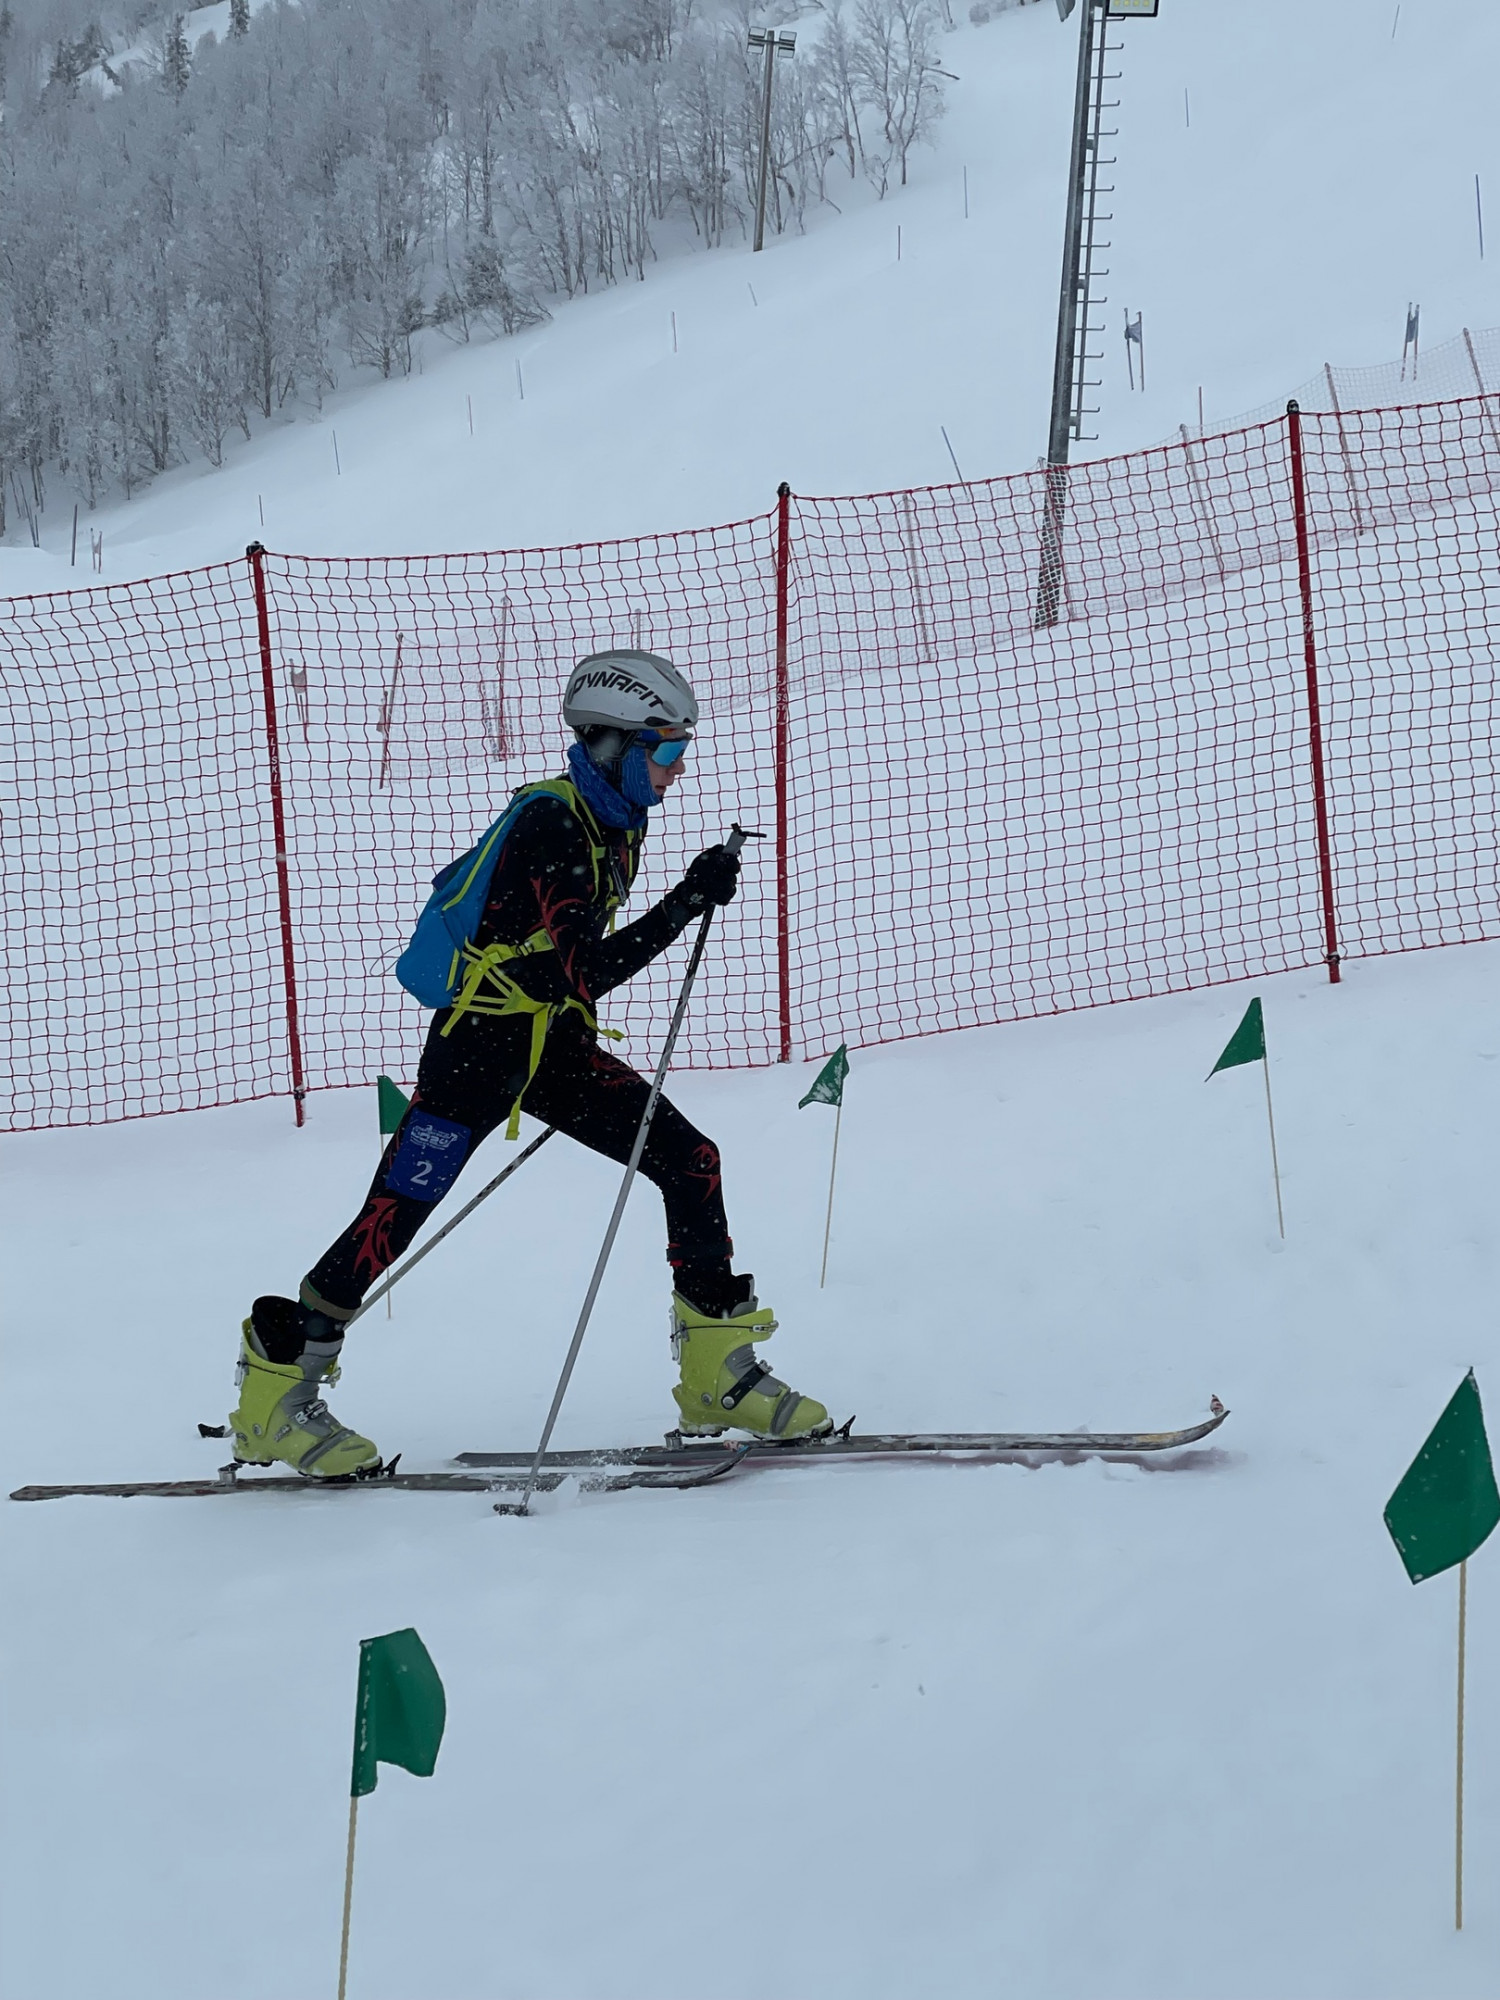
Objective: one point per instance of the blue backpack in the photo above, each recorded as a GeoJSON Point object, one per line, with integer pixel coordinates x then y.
{"type": "Point", "coordinates": [432, 965]}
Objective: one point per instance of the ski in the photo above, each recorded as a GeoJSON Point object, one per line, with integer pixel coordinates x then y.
{"type": "Point", "coordinates": [677, 1465]}
{"type": "Point", "coordinates": [609, 1477]}
{"type": "Point", "coordinates": [848, 1443]}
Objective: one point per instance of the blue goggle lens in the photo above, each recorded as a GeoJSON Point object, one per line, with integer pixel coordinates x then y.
{"type": "Point", "coordinates": [663, 751]}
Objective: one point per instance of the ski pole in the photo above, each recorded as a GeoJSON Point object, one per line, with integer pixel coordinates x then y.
{"type": "Point", "coordinates": [735, 842]}
{"type": "Point", "coordinates": [448, 1227]}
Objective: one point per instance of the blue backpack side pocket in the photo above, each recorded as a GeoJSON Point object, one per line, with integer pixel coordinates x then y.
{"type": "Point", "coordinates": [430, 966]}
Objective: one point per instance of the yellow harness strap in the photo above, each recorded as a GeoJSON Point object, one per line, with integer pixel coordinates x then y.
{"type": "Point", "coordinates": [483, 970]}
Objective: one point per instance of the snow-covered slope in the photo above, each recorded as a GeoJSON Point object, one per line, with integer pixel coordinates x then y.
{"type": "Point", "coordinates": [1180, 1731]}
{"type": "Point", "coordinates": [1325, 180]}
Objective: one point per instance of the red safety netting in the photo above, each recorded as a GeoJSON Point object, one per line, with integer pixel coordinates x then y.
{"type": "Point", "coordinates": [970, 815]}
{"type": "Point", "coordinates": [138, 899]}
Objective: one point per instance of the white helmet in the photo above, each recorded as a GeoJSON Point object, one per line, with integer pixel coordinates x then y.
{"type": "Point", "coordinates": [622, 689]}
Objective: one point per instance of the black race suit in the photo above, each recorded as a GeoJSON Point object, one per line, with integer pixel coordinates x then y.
{"type": "Point", "coordinates": [468, 1080]}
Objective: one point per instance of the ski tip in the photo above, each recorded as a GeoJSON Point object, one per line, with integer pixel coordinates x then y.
{"type": "Point", "coordinates": [1216, 1408]}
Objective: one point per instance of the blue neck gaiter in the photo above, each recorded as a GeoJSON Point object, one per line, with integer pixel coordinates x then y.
{"type": "Point", "coordinates": [612, 807]}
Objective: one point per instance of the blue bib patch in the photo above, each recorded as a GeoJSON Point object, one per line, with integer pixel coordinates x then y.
{"type": "Point", "coordinates": [428, 1159]}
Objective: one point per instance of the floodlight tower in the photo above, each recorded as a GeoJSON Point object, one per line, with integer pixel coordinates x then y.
{"type": "Point", "coordinates": [1080, 245]}
{"type": "Point", "coordinates": [773, 43]}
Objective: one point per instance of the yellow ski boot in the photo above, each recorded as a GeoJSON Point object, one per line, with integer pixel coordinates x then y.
{"type": "Point", "coordinates": [281, 1417]}
{"type": "Point", "coordinates": [724, 1385]}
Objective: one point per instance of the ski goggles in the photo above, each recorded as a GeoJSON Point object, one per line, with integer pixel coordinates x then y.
{"type": "Point", "coordinates": [663, 750]}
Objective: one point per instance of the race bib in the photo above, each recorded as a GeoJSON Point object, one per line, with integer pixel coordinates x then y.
{"type": "Point", "coordinates": [428, 1159]}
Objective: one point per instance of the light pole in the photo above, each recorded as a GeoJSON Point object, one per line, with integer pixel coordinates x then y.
{"type": "Point", "coordinates": [770, 40]}
{"type": "Point", "coordinates": [1074, 297]}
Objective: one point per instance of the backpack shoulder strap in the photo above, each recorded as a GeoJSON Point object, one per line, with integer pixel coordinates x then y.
{"type": "Point", "coordinates": [565, 790]}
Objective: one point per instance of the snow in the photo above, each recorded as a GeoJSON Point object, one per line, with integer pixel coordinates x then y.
{"type": "Point", "coordinates": [1169, 1729]}
{"type": "Point", "coordinates": [1326, 180]}
{"type": "Point", "coordinates": [1177, 1728]}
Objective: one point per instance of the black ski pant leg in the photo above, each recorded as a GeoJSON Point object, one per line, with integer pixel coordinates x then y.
{"type": "Point", "coordinates": [587, 1092]}
{"type": "Point", "coordinates": [465, 1087]}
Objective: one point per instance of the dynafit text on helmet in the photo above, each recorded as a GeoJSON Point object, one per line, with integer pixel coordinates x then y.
{"type": "Point", "coordinates": [514, 951]}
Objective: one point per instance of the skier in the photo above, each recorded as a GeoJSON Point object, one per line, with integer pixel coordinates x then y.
{"type": "Point", "coordinates": [522, 1027]}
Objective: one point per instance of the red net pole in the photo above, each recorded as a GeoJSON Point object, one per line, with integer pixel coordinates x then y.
{"type": "Point", "coordinates": [256, 554]}
{"type": "Point", "coordinates": [1314, 713]}
{"type": "Point", "coordinates": [783, 730]}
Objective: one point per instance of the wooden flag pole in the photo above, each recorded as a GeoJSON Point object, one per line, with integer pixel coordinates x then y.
{"type": "Point", "coordinates": [1275, 1166]}
{"type": "Point", "coordinates": [348, 1897]}
{"type": "Point", "coordinates": [838, 1116]}
{"type": "Point", "coordinates": [1458, 1842]}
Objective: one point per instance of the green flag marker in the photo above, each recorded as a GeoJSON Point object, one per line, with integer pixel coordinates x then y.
{"type": "Point", "coordinates": [400, 1710]}
{"type": "Point", "coordinates": [1445, 1507]}
{"type": "Point", "coordinates": [1248, 1042]}
{"type": "Point", "coordinates": [1448, 1502]}
{"type": "Point", "coordinates": [399, 1714]}
{"type": "Point", "coordinates": [394, 1105]}
{"type": "Point", "coordinates": [828, 1086]}
{"type": "Point", "coordinates": [1248, 1045]}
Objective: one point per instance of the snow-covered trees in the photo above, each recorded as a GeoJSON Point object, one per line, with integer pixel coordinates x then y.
{"type": "Point", "coordinates": [895, 63]}
{"type": "Point", "coordinates": [176, 63]}
{"type": "Point", "coordinates": [196, 237]}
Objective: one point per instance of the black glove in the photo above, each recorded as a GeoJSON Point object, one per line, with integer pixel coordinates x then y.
{"type": "Point", "coordinates": [713, 878]}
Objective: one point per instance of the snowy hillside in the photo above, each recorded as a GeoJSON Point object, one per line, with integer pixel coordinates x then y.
{"type": "Point", "coordinates": [1163, 1732]}
{"type": "Point", "coordinates": [1325, 179]}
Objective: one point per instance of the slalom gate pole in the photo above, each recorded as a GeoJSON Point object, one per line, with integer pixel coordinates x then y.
{"type": "Point", "coordinates": [1458, 1838]}
{"type": "Point", "coordinates": [783, 734]}
{"type": "Point", "coordinates": [1314, 709]}
{"type": "Point", "coordinates": [735, 842]}
{"type": "Point", "coordinates": [832, 1172]}
{"type": "Point", "coordinates": [348, 1897]}
{"type": "Point", "coordinates": [1265, 1063]}
{"type": "Point", "coordinates": [382, 1291]}
{"type": "Point", "coordinates": [256, 557]}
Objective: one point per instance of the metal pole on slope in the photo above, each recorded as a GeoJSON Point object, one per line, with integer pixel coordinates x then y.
{"type": "Point", "coordinates": [1060, 426]}
{"type": "Point", "coordinates": [735, 842]}
{"type": "Point", "coordinates": [1073, 327]}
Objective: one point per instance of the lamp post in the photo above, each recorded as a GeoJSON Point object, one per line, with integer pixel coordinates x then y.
{"type": "Point", "coordinates": [1079, 244]}
{"type": "Point", "coordinates": [771, 41]}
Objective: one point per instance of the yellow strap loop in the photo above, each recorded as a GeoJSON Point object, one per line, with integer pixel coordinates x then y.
{"type": "Point", "coordinates": [484, 969]}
